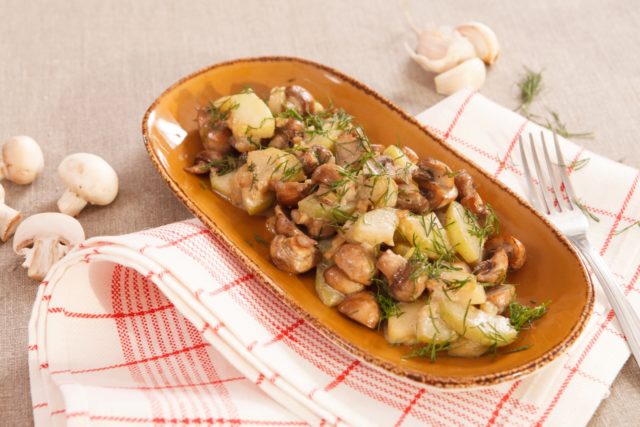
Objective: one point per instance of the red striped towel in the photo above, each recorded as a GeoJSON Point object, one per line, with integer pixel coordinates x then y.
{"type": "Point", "coordinates": [165, 327]}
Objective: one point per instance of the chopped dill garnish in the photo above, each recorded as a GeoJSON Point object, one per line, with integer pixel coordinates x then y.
{"type": "Point", "coordinates": [251, 167]}
{"type": "Point", "coordinates": [340, 216]}
{"type": "Point", "coordinates": [464, 319]}
{"type": "Point", "coordinates": [490, 227]}
{"type": "Point", "coordinates": [521, 316]}
{"type": "Point", "coordinates": [517, 349]}
{"type": "Point", "coordinates": [388, 306]}
{"type": "Point", "coordinates": [226, 165]}
{"type": "Point", "coordinates": [586, 211]}
{"type": "Point", "coordinates": [430, 350]}
{"type": "Point", "coordinates": [260, 240]}
{"type": "Point", "coordinates": [633, 224]}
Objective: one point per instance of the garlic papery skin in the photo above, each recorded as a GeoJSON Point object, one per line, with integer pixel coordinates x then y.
{"type": "Point", "coordinates": [440, 49]}
{"type": "Point", "coordinates": [483, 39]}
{"type": "Point", "coordinates": [471, 73]}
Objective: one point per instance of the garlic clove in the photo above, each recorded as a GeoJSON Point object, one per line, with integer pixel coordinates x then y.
{"type": "Point", "coordinates": [483, 39]}
{"type": "Point", "coordinates": [471, 73]}
{"type": "Point", "coordinates": [440, 49]}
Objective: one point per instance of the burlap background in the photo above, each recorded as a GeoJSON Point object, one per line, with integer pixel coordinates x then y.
{"type": "Point", "coordinates": [78, 75]}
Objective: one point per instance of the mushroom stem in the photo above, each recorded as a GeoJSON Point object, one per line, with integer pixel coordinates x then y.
{"type": "Point", "coordinates": [9, 219]}
{"type": "Point", "coordinates": [70, 203]}
{"type": "Point", "coordinates": [43, 254]}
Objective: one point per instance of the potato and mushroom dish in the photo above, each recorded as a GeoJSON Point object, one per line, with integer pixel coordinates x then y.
{"type": "Point", "coordinates": [397, 241]}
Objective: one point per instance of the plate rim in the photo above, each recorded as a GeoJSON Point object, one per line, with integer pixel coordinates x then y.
{"type": "Point", "coordinates": [440, 382]}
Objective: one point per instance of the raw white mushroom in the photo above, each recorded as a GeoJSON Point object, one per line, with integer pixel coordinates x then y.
{"type": "Point", "coordinates": [9, 218]}
{"type": "Point", "coordinates": [440, 49]}
{"type": "Point", "coordinates": [471, 73]}
{"type": "Point", "coordinates": [45, 238]}
{"type": "Point", "coordinates": [483, 39]}
{"type": "Point", "coordinates": [89, 179]}
{"type": "Point", "coordinates": [21, 160]}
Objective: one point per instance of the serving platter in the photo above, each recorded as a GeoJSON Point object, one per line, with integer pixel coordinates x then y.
{"type": "Point", "coordinates": [553, 271]}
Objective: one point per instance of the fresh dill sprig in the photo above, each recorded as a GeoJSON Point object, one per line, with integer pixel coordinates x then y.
{"type": "Point", "coordinates": [586, 211]}
{"type": "Point", "coordinates": [530, 87]}
{"type": "Point", "coordinates": [633, 224]}
{"type": "Point", "coordinates": [578, 164]}
{"type": "Point", "coordinates": [521, 316]}
{"type": "Point", "coordinates": [225, 165]}
{"type": "Point", "coordinates": [260, 240]}
{"type": "Point", "coordinates": [388, 306]}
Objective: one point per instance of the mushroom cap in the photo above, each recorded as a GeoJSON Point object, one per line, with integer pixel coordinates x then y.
{"type": "Point", "coordinates": [1, 194]}
{"type": "Point", "coordinates": [90, 177]}
{"type": "Point", "coordinates": [22, 158]}
{"type": "Point", "coordinates": [48, 224]}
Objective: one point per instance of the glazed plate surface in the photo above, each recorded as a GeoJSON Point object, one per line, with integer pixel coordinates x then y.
{"type": "Point", "coordinates": [553, 271]}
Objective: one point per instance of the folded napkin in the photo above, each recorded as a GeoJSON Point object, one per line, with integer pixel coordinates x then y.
{"type": "Point", "coordinates": [165, 326]}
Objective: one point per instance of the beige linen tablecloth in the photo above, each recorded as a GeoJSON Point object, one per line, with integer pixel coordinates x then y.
{"type": "Point", "coordinates": [78, 75]}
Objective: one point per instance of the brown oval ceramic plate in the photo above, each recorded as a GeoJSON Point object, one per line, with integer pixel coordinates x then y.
{"type": "Point", "coordinates": [553, 271]}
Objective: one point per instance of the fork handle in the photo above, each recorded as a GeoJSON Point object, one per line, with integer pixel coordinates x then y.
{"type": "Point", "coordinates": [627, 316]}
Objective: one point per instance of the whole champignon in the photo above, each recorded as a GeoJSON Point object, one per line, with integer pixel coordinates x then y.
{"type": "Point", "coordinates": [214, 132]}
{"type": "Point", "coordinates": [436, 181]}
{"type": "Point", "coordinates": [21, 160]}
{"type": "Point", "coordinates": [294, 97]}
{"type": "Point", "coordinates": [89, 179]}
{"type": "Point", "coordinates": [9, 218]}
{"type": "Point", "coordinates": [290, 193]}
{"type": "Point", "coordinates": [327, 174]}
{"type": "Point", "coordinates": [203, 162]}
{"type": "Point", "coordinates": [361, 307]}
{"type": "Point", "coordinates": [297, 254]}
{"type": "Point", "coordinates": [45, 238]}
{"type": "Point", "coordinates": [410, 198]}
{"type": "Point", "coordinates": [317, 228]}
{"type": "Point", "coordinates": [314, 157]}
{"type": "Point", "coordinates": [514, 248]}
{"type": "Point", "coordinates": [356, 262]}
{"type": "Point", "coordinates": [494, 269]}
{"type": "Point", "coordinates": [338, 280]}
{"type": "Point", "coordinates": [398, 272]}
{"type": "Point", "coordinates": [500, 296]}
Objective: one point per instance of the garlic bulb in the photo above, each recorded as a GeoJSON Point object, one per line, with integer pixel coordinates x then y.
{"type": "Point", "coordinates": [483, 39]}
{"type": "Point", "coordinates": [440, 49]}
{"type": "Point", "coordinates": [470, 73]}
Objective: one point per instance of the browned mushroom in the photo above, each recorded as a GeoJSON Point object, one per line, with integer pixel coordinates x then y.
{"type": "Point", "coordinates": [436, 180]}
{"type": "Point", "coordinates": [514, 248]}
{"type": "Point", "coordinates": [203, 162]}
{"type": "Point", "coordinates": [338, 280]}
{"type": "Point", "coordinates": [398, 272]}
{"type": "Point", "coordinates": [357, 262]}
{"type": "Point", "coordinates": [317, 228]}
{"type": "Point", "coordinates": [300, 99]}
{"type": "Point", "coordinates": [315, 156]}
{"type": "Point", "coordinates": [279, 223]}
{"type": "Point", "coordinates": [469, 197]}
{"type": "Point", "coordinates": [214, 133]}
{"type": "Point", "coordinates": [410, 198]}
{"type": "Point", "coordinates": [279, 141]}
{"type": "Point", "coordinates": [296, 254]}
{"type": "Point", "coordinates": [411, 155]}
{"type": "Point", "coordinates": [326, 174]}
{"type": "Point", "coordinates": [361, 307]}
{"type": "Point", "coordinates": [494, 269]}
{"type": "Point", "coordinates": [348, 148]}
{"type": "Point", "coordinates": [501, 296]}
{"type": "Point", "coordinates": [290, 193]}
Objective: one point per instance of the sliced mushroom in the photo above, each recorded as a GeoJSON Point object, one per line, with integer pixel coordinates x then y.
{"type": "Point", "coordinates": [514, 248]}
{"type": "Point", "coordinates": [411, 155]}
{"type": "Point", "coordinates": [290, 193]}
{"type": "Point", "coordinates": [203, 162]}
{"type": "Point", "coordinates": [361, 307]}
{"type": "Point", "coordinates": [214, 133]}
{"type": "Point", "coordinates": [338, 280]}
{"type": "Point", "coordinates": [469, 197]}
{"type": "Point", "coordinates": [410, 198]}
{"type": "Point", "coordinates": [494, 269]}
{"type": "Point", "coordinates": [348, 148]}
{"type": "Point", "coordinates": [501, 296]}
{"type": "Point", "coordinates": [436, 180]}
{"type": "Point", "coordinates": [45, 238]}
{"type": "Point", "coordinates": [314, 157]}
{"type": "Point", "coordinates": [21, 160]}
{"type": "Point", "coordinates": [279, 223]}
{"type": "Point", "coordinates": [297, 254]}
{"type": "Point", "coordinates": [398, 272]}
{"type": "Point", "coordinates": [9, 218]}
{"type": "Point", "coordinates": [300, 99]}
{"type": "Point", "coordinates": [357, 262]}
{"type": "Point", "coordinates": [326, 174]}
{"type": "Point", "coordinates": [317, 228]}
{"type": "Point", "coordinates": [89, 179]}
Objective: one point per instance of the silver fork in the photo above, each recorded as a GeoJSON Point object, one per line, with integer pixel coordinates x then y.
{"type": "Point", "coordinates": [566, 215]}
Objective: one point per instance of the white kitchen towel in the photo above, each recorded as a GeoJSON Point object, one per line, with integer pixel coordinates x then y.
{"type": "Point", "coordinates": [165, 327]}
